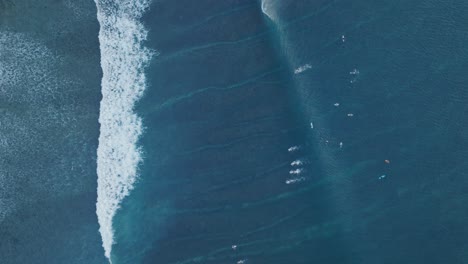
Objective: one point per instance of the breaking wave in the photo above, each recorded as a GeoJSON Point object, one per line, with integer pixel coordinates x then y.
{"type": "Point", "coordinates": [123, 59]}
{"type": "Point", "coordinates": [268, 8]}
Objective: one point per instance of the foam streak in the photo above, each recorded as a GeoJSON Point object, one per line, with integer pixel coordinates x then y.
{"type": "Point", "coordinates": [123, 59]}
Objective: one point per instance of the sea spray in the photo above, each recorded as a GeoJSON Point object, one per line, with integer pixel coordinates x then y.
{"type": "Point", "coordinates": [123, 59]}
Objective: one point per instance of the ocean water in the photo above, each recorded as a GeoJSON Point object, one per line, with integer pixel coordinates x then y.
{"type": "Point", "coordinates": [234, 131]}
{"type": "Point", "coordinates": [49, 106]}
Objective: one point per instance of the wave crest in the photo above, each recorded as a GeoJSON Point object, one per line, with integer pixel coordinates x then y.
{"type": "Point", "coordinates": [123, 59]}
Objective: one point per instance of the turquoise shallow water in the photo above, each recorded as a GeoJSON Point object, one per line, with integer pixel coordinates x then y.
{"type": "Point", "coordinates": [273, 132]}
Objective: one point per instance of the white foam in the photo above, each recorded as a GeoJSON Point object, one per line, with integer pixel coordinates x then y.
{"type": "Point", "coordinates": [294, 148]}
{"type": "Point", "coordinates": [28, 61]}
{"type": "Point", "coordinates": [267, 9]}
{"type": "Point", "coordinates": [123, 59]}
{"type": "Point", "coordinates": [354, 72]}
{"type": "Point", "coordinates": [28, 85]}
{"type": "Point", "coordinates": [296, 171]}
{"type": "Point", "coordinates": [297, 163]}
{"type": "Point", "coordinates": [295, 180]}
{"type": "Point", "coordinates": [302, 68]}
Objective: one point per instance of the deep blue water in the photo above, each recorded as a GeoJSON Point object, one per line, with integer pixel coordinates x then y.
{"type": "Point", "coordinates": [282, 131]}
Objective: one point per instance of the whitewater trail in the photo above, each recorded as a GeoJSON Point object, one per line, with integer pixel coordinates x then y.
{"type": "Point", "coordinates": [123, 60]}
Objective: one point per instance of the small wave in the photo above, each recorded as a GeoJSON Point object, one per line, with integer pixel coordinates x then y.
{"type": "Point", "coordinates": [354, 72]}
{"type": "Point", "coordinates": [302, 68]}
{"type": "Point", "coordinates": [123, 59]}
{"type": "Point", "coordinates": [293, 148]}
{"type": "Point", "coordinates": [296, 171]}
{"type": "Point", "coordinates": [297, 163]}
{"type": "Point", "coordinates": [295, 180]}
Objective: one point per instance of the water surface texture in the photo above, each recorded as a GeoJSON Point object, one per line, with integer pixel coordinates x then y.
{"type": "Point", "coordinates": [234, 131]}
{"type": "Point", "coordinates": [49, 106]}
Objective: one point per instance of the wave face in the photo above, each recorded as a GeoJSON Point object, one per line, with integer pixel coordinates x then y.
{"type": "Point", "coordinates": [123, 59]}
